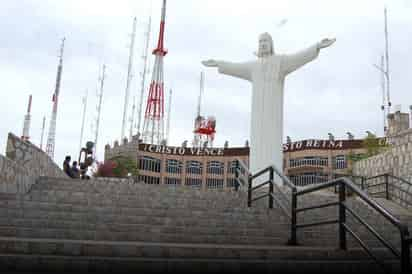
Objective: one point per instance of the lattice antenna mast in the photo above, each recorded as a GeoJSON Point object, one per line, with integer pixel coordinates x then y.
{"type": "Point", "coordinates": [169, 107]}
{"type": "Point", "coordinates": [153, 127]}
{"type": "Point", "coordinates": [144, 72]}
{"type": "Point", "coordinates": [201, 90]}
{"type": "Point", "coordinates": [143, 75]}
{"type": "Point", "coordinates": [52, 128]}
{"type": "Point", "coordinates": [129, 79]}
{"type": "Point", "coordinates": [383, 106]}
{"type": "Point", "coordinates": [26, 126]}
{"type": "Point", "coordinates": [387, 62]}
{"type": "Point", "coordinates": [42, 132]}
{"type": "Point", "coordinates": [197, 137]}
{"type": "Point", "coordinates": [99, 107]}
{"type": "Point", "coordinates": [84, 103]}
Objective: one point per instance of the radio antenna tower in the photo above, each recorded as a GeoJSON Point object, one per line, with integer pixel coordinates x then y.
{"type": "Point", "coordinates": [26, 126]}
{"type": "Point", "coordinates": [84, 103]}
{"type": "Point", "coordinates": [387, 63]}
{"type": "Point", "coordinates": [169, 107]}
{"type": "Point", "coordinates": [383, 108]}
{"type": "Point", "coordinates": [143, 73]}
{"type": "Point", "coordinates": [52, 128]}
{"type": "Point", "coordinates": [42, 132]}
{"type": "Point", "coordinates": [153, 127]}
{"type": "Point", "coordinates": [197, 137]}
{"type": "Point", "coordinates": [99, 107]}
{"type": "Point", "coordinates": [129, 79]}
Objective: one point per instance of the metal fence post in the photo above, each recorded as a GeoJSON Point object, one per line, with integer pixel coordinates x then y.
{"type": "Point", "coordinates": [249, 190]}
{"type": "Point", "coordinates": [271, 182]}
{"type": "Point", "coordinates": [342, 216]}
{"type": "Point", "coordinates": [293, 233]}
{"type": "Point", "coordinates": [405, 255]}
{"type": "Point", "coordinates": [387, 186]}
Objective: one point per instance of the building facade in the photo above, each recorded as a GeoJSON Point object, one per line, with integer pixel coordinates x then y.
{"type": "Point", "coordinates": [305, 162]}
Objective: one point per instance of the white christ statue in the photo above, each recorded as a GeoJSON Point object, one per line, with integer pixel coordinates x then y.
{"type": "Point", "coordinates": [267, 75]}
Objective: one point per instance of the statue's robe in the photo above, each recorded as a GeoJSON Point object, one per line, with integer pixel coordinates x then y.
{"type": "Point", "coordinates": [267, 75]}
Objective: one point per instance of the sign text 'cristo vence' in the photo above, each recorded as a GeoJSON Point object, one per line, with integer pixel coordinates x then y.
{"type": "Point", "coordinates": [184, 151]}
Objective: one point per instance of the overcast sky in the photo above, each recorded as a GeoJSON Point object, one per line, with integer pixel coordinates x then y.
{"type": "Point", "coordinates": [338, 92]}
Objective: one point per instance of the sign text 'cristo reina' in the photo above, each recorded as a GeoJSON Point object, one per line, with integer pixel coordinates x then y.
{"type": "Point", "coordinates": [326, 144]}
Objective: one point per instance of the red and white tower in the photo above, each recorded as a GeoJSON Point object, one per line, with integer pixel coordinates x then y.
{"type": "Point", "coordinates": [153, 126]}
{"type": "Point", "coordinates": [26, 127]}
{"type": "Point", "coordinates": [51, 138]}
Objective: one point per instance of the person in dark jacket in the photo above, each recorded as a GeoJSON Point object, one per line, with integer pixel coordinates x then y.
{"type": "Point", "coordinates": [75, 171]}
{"type": "Point", "coordinates": [66, 166]}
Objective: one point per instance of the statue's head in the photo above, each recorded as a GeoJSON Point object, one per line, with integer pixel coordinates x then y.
{"type": "Point", "coordinates": [265, 45]}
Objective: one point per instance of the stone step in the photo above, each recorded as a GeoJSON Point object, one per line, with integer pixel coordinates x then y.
{"type": "Point", "coordinates": [191, 235]}
{"type": "Point", "coordinates": [102, 256]}
{"type": "Point", "coordinates": [170, 250]}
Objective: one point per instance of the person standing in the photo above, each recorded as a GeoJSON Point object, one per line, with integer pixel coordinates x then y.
{"type": "Point", "coordinates": [66, 166]}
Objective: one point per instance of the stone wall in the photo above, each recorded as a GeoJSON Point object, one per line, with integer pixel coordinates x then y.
{"type": "Point", "coordinates": [397, 160]}
{"type": "Point", "coordinates": [29, 156]}
{"type": "Point", "coordinates": [127, 148]}
{"type": "Point", "coordinates": [24, 164]}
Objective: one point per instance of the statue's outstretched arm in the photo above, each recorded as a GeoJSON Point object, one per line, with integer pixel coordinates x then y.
{"type": "Point", "coordinates": [239, 70]}
{"type": "Point", "coordinates": [291, 62]}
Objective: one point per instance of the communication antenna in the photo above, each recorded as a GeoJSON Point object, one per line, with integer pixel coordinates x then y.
{"type": "Point", "coordinates": [387, 62]}
{"type": "Point", "coordinates": [143, 73]}
{"type": "Point", "coordinates": [169, 107]}
{"type": "Point", "coordinates": [26, 126]}
{"type": "Point", "coordinates": [52, 128]}
{"type": "Point", "coordinates": [84, 102]}
{"type": "Point", "coordinates": [129, 79]}
{"type": "Point", "coordinates": [42, 132]}
{"type": "Point", "coordinates": [99, 108]}
{"type": "Point", "coordinates": [153, 128]}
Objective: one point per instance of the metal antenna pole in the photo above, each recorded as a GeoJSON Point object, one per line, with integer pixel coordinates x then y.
{"type": "Point", "coordinates": [84, 102]}
{"type": "Point", "coordinates": [52, 128]}
{"type": "Point", "coordinates": [169, 107]}
{"type": "Point", "coordinates": [42, 132]}
{"type": "Point", "coordinates": [129, 79]}
{"type": "Point", "coordinates": [99, 108]}
{"type": "Point", "coordinates": [26, 125]}
{"type": "Point", "coordinates": [383, 96]}
{"type": "Point", "coordinates": [387, 62]}
{"type": "Point", "coordinates": [143, 74]}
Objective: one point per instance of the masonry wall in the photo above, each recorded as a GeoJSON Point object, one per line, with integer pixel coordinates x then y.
{"type": "Point", "coordinates": [397, 161]}
{"type": "Point", "coordinates": [23, 165]}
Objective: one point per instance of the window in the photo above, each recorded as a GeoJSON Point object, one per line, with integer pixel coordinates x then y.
{"type": "Point", "coordinates": [231, 168]}
{"type": "Point", "coordinates": [214, 183]}
{"type": "Point", "coordinates": [150, 180]}
{"type": "Point", "coordinates": [193, 167]}
{"type": "Point", "coordinates": [149, 163]}
{"type": "Point", "coordinates": [340, 162]}
{"type": "Point", "coordinates": [308, 161]}
{"type": "Point", "coordinates": [194, 182]}
{"type": "Point", "coordinates": [309, 178]}
{"type": "Point", "coordinates": [173, 166]}
{"type": "Point", "coordinates": [172, 181]}
{"type": "Point", "coordinates": [215, 167]}
{"type": "Point", "coordinates": [231, 182]}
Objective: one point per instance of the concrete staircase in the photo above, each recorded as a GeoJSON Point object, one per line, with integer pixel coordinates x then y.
{"type": "Point", "coordinates": [94, 225]}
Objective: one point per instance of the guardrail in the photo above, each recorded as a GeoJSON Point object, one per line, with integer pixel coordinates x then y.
{"type": "Point", "coordinates": [343, 185]}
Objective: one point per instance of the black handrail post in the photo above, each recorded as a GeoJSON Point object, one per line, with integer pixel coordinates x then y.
{"type": "Point", "coordinates": [405, 256]}
{"type": "Point", "coordinates": [363, 183]}
{"type": "Point", "coordinates": [342, 216]}
{"type": "Point", "coordinates": [249, 191]}
{"type": "Point", "coordinates": [293, 235]}
{"type": "Point", "coordinates": [387, 185]}
{"type": "Point", "coordinates": [271, 182]}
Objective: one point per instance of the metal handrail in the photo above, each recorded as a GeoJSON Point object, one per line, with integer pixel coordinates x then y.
{"type": "Point", "coordinates": [400, 179]}
{"type": "Point", "coordinates": [346, 183]}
